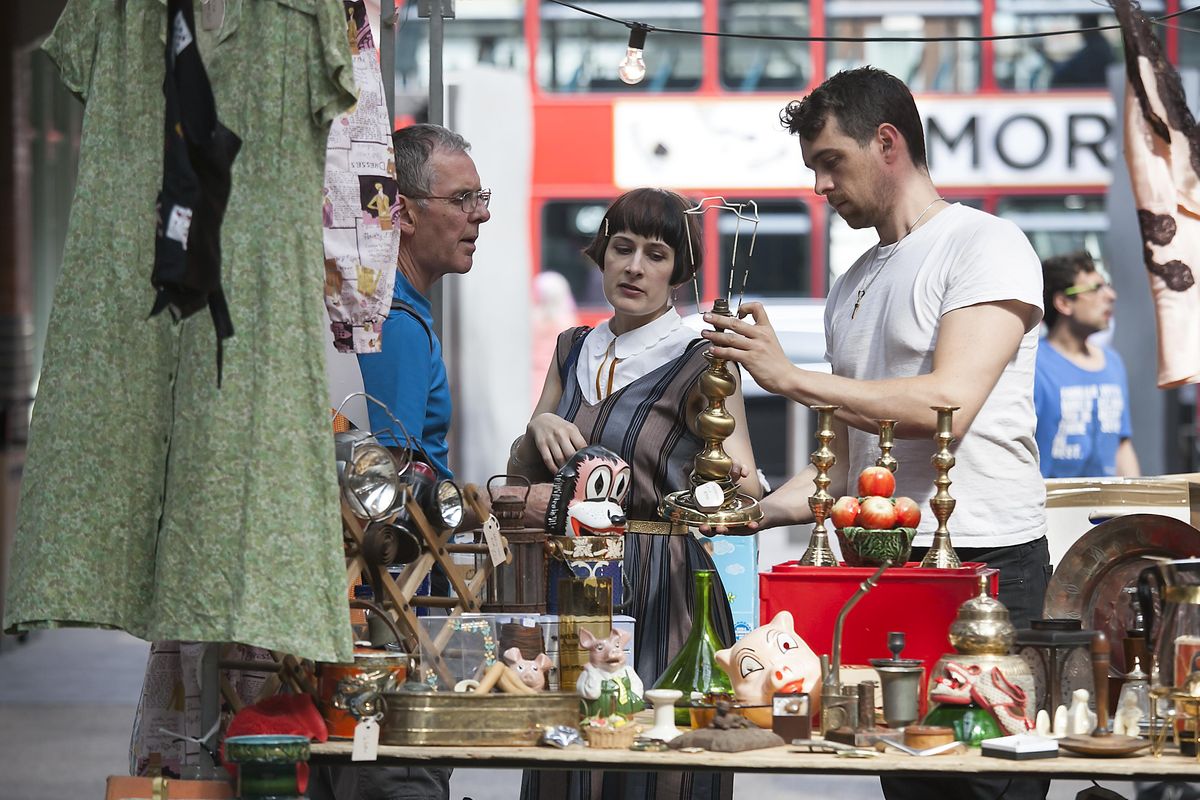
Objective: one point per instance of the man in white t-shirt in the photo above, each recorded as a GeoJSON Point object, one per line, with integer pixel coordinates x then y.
{"type": "Point", "coordinates": [944, 310]}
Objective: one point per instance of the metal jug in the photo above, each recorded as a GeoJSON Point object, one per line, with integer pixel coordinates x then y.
{"type": "Point", "coordinates": [1169, 594]}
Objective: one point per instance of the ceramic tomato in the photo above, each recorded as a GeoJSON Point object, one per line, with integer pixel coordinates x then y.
{"type": "Point", "coordinates": [878, 513]}
{"type": "Point", "coordinates": [877, 482]}
{"type": "Point", "coordinates": [908, 513]}
{"type": "Point", "coordinates": [845, 512]}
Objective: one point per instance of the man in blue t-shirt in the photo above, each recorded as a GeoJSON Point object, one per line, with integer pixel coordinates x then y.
{"type": "Point", "coordinates": [1080, 391]}
{"type": "Point", "coordinates": [440, 209]}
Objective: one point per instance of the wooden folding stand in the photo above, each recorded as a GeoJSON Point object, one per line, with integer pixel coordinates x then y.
{"type": "Point", "coordinates": [398, 596]}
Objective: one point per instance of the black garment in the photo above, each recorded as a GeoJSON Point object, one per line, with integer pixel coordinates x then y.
{"type": "Point", "coordinates": [379, 783]}
{"type": "Point", "coordinates": [1024, 572]}
{"type": "Point", "coordinates": [197, 163]}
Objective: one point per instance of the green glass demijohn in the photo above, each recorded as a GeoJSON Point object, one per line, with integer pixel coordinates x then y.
{"type": "Point", "coordinates": [694, 668]}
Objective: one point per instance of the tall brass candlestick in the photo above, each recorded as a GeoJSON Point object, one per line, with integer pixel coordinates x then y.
{"type": "Point", "coordinates": [713, 466]}
{"type": "Point", "coordinates": [819, 554]}
{"type": "Point", "coordinates": [887, 439]}
{"type": "Point", "coordinates": [941, 554]}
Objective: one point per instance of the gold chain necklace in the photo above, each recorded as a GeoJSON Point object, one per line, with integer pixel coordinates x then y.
{"type": "Point", "coordinates": [888, 257]}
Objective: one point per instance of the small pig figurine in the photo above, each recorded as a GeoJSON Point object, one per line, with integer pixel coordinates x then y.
{"type": "Point", "coordinates": [532, 672]}
{"type": "Point", "coordinates": [606, 675]}
{"type": "Point", "coordinates": [769, 659]}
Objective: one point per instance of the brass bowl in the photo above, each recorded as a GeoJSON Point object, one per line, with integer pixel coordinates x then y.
{"type": "Point", "coordinates": [869, 547]}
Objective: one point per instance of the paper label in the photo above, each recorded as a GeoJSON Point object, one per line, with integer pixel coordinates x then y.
{"type": "Point", "coordinates": [366, 740]}
{"type": "Point", "coordinates": [179, 222]}
{"type": "Point", "coordinates": [181, 36]}
{"type": "Point", "coordinates": [212, 14]}
{"type": "Point", "coordinates": [491, 534]}
{"type": "Point", "coordinates": [709, 496]}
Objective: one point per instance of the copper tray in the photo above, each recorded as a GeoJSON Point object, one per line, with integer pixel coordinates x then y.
{"type": "Point", "coordinates": [1088, 582]}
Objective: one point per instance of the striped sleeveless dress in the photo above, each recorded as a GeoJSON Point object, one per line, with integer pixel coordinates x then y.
{"type": "Point", "coordinates": [644, 423]}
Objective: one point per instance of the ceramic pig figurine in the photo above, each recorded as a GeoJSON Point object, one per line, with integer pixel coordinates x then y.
{"type": "Point", "coordinates": [532, 671]}
{"type": "Point", "coordinates": [769, 659]}
{"type": "Point", "coordinates": [587, 494]}
{"type": "Point", "coordinates": [607, 683]}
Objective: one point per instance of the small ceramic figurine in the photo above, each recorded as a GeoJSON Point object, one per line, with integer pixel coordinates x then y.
{"type": "Point", "coordinates": [533, 671]}
{"type": "Point", "coordinates": [1081, 720]}
{"type": "Point", "coordinates": [769, 659]}
{"type": "Point", "coordinates": [607, 682]}
{"type": "Point", "coordinates": [587, 493]}
{"type": "Point", "coordinates": [1127, 720]}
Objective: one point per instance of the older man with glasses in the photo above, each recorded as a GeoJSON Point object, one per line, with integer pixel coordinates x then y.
{"type": "Point", "coordinates": [1081, 392]}
{"type": "Point", "coordinates": [439, 211]}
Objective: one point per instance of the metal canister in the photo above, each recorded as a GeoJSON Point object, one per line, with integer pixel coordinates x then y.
{"type": "Point", "coordinates": [373, 670]}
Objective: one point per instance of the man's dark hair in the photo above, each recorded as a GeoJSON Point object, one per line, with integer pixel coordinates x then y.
{"type": "Point", "coordinates": [1059, 273]}
{"type": "Point", "coordinates": [414, 147]}
{"type": "Point", "coordinates": [861, 100]}
{"type": "Point", "coordinates": [655, 214]}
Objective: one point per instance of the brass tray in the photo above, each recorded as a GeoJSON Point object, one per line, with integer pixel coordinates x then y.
{"type": "Point", "coordinates": [461, 718]}
{"type": "Point", "coordinates": [1088, 582]}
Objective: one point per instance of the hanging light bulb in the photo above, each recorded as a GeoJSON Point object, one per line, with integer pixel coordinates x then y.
{"type": "Point", "coordinates": [633, 67]}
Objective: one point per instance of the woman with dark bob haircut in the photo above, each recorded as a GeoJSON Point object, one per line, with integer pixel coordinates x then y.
{"type": "Point", "coordinates": [631, 385]}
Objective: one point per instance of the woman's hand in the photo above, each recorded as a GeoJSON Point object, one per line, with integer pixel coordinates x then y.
{"type": "Point", "coordinates": [555, 439]}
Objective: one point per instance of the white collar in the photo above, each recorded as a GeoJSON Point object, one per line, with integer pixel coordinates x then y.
{"type": "Point", "coordinates": [638, 340]}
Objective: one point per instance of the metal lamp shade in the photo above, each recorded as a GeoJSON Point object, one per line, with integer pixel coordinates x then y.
{"type": "Point", "coordinates": [447, 504]}
{"type": "Point", "coordinates": [368, 474]}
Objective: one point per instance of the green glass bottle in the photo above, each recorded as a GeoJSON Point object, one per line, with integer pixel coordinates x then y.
{"type": "Point", "coordinates": [694, 668]}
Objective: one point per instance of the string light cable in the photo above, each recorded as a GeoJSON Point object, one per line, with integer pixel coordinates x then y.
{"type": "Point", "coordinates": [641, 29]}
{"type": "Point", "coordinates": [632, 68]}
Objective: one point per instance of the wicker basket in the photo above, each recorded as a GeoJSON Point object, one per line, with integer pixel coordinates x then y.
{"type": "Point", "coordinates": [611, 738]}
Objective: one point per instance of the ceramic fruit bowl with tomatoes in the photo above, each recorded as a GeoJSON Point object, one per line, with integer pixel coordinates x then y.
{"type": "Point", "coordinates": [875, 526]}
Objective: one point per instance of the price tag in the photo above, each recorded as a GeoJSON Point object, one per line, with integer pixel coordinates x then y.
{"type": "Point", "coordinates": [366, 740]}
{"type": "Point", "coordinates": [709, 496]}
{"type": "Point", "coordinates": [212, 14]}
{"type": "Point", "coordinates": [491, 534]}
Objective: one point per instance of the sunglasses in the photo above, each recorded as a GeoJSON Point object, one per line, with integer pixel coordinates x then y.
{"type": "Point", "coordinates": [1072, 291]}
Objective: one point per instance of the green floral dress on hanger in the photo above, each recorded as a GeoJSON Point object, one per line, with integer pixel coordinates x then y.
{"type": "Point", "coordinates": [152, 500]}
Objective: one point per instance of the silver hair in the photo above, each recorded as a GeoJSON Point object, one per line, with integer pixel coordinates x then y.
{"type": "Point", "coordinates": [414, 147]}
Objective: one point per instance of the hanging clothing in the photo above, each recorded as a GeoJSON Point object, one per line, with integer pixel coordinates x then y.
{"type": "Point", "coordinates": [644, 423]}
{"type": "Point", "coordinates": [1162, 151]}
{"type": "Point", "coordinates": [152, 500]}
{"type": "Point", "coordinates": [359, 202]}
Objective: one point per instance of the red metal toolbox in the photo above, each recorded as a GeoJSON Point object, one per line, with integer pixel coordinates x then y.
{"type": "Point", "coordinates": [920, 602]}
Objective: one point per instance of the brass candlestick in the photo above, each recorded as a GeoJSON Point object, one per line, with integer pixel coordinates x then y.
{"type": "Point", "coordinates": [887, 439]}
{"type": "Point", "coordinates": [713, 465]}
{"type": "Point", "coordinates": [819, 554]}
{"type": "Point", "coordinates": [941, 554]}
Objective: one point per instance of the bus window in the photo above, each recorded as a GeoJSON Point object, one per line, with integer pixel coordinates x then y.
{"type": "Point", "coordinates": [567, 227]}
{"type": "Point", "coordinates": [1070, 61]}
{"type": "Point", "coordinates": [491, 34]}
{"type": "Point", "coordinates": [781, 265]}
{"type": "Point", "coordinates": [578, 53]}
{"type": "Point", "coordinates": [749, 65]}
{"type": "Point", "coordinates": [924, 67]}
{"type": "Point", "coordinates": [1057, 224]}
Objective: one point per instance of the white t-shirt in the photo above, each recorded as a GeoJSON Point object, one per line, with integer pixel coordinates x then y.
{"type": "Point", "coordinates": [961, 257]}
{"type": "Point", "coordinates": [639, 352]}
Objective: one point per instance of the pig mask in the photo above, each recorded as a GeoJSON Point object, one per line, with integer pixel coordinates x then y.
{"type": "Point", "coordinates": [587, 493]}
{"type": "Point", "coordinates": [769, 659]}
{"type": "Point", "coordinates": [531, 671]}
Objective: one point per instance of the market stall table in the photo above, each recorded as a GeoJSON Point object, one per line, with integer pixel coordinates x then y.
{"type": "Point", "coordinates": [785, 759]}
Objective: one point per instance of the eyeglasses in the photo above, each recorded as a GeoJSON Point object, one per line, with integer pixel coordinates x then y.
{"type": "Point", "coordinates": [1072, 291]}
{"type": "Point", "coordinates": [469, 202]}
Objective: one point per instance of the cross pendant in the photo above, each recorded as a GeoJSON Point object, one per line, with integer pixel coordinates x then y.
{"type": "Point", "coordinates": [857, 302]}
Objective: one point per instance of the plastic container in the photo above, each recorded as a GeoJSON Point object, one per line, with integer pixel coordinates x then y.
{"type": "Point", "coordinates": [921, 602]}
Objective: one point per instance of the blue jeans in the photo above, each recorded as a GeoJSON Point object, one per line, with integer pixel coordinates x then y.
{"type": "Point", "coordinates": [1024, 572]}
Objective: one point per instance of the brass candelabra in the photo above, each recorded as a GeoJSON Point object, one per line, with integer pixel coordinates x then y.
{"type": "Point", "coordinates": [941, 554]}
{"type": "Point", "coordinates": [713, 467]}
{"type": "Point", "coordinates": [887, 440]}
{"type": "Point", "coordinates": [819, 553]}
